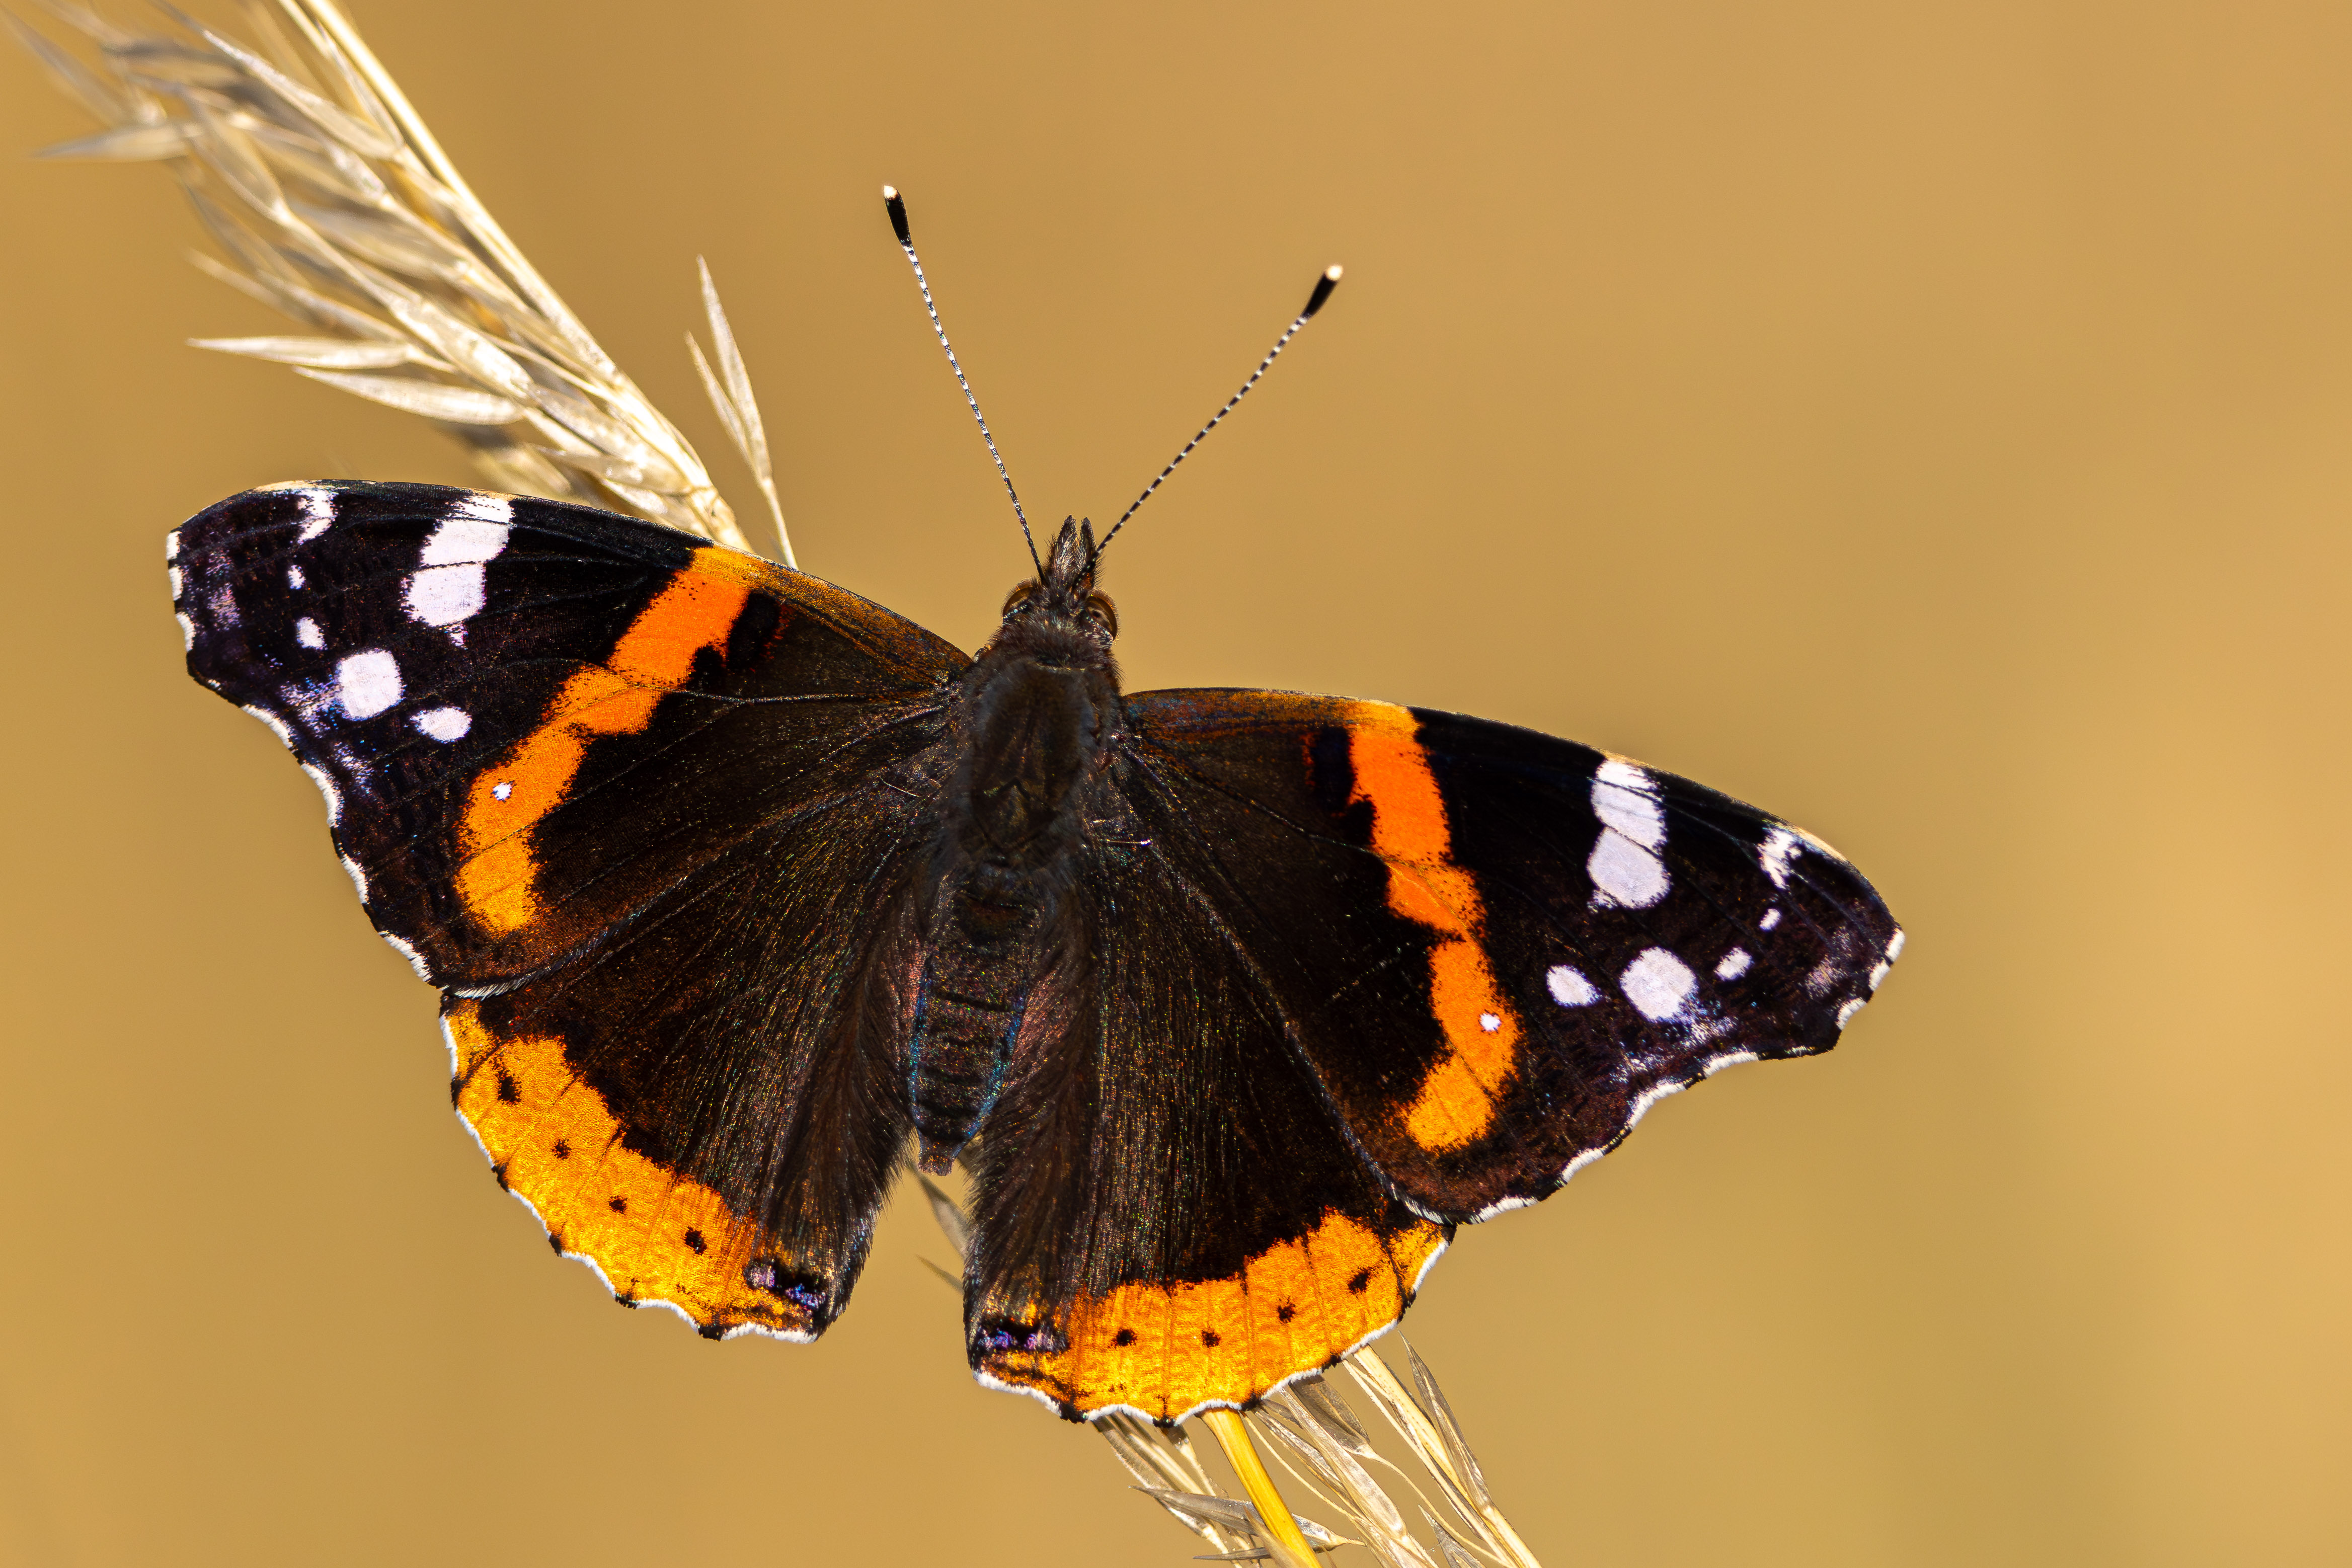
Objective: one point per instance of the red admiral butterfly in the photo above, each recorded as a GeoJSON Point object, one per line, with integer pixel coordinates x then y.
{"type": "Point", "coordinates": [1233, 1003]}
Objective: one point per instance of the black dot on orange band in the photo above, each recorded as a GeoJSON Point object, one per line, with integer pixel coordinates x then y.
{"type": "Point", "coordinates": [562, 1149]}
{"type": "Point", "coordinates": [1123, 1337]}
{"type": "Point", "coordinates": [1286, 1311]}
{"type": "Point", "coordinates": [619, 1204]}
{"type": "Point", "coordinates": [693, 1242]}
{"type": "Point", "coordinates": [1363, 1278]}
{"type": "Point", "coordinates": [1209, 1337]}
{"type": "Point", "coordinates": [508, 1091]}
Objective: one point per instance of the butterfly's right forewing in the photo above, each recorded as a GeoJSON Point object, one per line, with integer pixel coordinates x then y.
{"type": "Point", "coordinates": [527, 717]}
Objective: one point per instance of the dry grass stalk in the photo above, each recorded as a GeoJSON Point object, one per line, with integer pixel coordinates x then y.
{"type": "Point", "coordinates": [1328, 1451]}
{"type": "Point", "coordinates": [1286, 1535]}
{"type": "Point", "coordinates": [335, 207]}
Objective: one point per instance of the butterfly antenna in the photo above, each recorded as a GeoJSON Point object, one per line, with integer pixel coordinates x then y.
{"type": "Point", "coordinates": [897, 205]}
{"type": "Point", "coordinates": [1323, 287]}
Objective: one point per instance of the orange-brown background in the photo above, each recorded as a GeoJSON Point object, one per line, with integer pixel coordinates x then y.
{"type": "Point", "coordinates": [1933, 422]}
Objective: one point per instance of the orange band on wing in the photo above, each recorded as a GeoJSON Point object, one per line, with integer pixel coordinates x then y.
{"type": "Point", "coordinates": [1165, 1350]}
{"type": "Point", "coordinates": [1456, 1100]}
{"type": "Point", "coordinates": [657, 1237]}
{"type": "Point", "coordinates": [498, 875]}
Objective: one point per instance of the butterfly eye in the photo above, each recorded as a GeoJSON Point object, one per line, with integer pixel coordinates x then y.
{"type": "Point", "coordinates": [1103, 610]}
{"type": "Point", "coordinates": [1022, 593]}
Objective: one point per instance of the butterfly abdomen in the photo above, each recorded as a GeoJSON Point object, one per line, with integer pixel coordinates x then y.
{"type": "Point", "coordinates": [1031, 740]}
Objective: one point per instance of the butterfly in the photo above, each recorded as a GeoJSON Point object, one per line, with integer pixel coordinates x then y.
{"type": "Point", "coordinates": [740, 889]}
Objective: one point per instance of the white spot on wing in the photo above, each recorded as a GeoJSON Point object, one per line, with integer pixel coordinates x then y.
{"type": "Point", "coordinates": [1771, 918]}
{"type": "Point", "coordinates": [445, 595]}
{"type": "Point", "coordinates": [1658, 984]}
{"type": "Point", "coordinates": [307, 633]}
{"type": "Point", "coordinates": [1734, 964]}
{"type": "Point", "coordinates": [179, 582]}
{"type": "Point", "coordinates": [293, 576]}
{"type": "Point", "coordinates": [1895, 948]}
{"type": "Point", "coordinates": [1846, 1013]}
{"type": "Point", "coordinates": [367, 683]}
{"type": "Point", "coordinates": [1625, 798]}
{"type": "Point", "coordinates": [1878, 975]}
{"type": "Point", "coordinates": [1624, 873]}
{"type": "Point", "coordinates": [1775, 853]}
{"type": "Point", "coordinates": [1568, 986]}
{"type": "Point", "coordinates": [188, 631]}
{"type": "Point", "coordinates": [1625, 864]}
{"type": "Point", "coordinates": [450, 586]}
{"type": "Point", "coordinates": [444, 724]}
{"type": "Point", "coordinates": [359, 877]}
{"type": "Point", "coordinates": [172, 545]}
{"type": "Point", "coordinates": [318, 512]}
{"type": "Point", "coordinates": [1728, 1060]}
{"type": "Point", "coordinates": [470, 537]}
{"type": "Point", "coordinates": [502, 789]}
{"type": "Point", "coordinates": [1490, 1022]}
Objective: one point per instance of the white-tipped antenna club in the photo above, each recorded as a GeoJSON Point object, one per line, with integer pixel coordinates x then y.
{"type": "Point", "coordinates": [1323, 287]}
{"type": "Point", "coordinates": [897, 206]}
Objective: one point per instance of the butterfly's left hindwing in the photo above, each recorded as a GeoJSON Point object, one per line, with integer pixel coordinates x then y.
{"type": "Point", "coordinates": [632, 800]}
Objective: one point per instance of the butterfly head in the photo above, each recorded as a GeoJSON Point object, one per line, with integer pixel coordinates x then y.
{"type": "Point", "coordinates": [1061, 617]}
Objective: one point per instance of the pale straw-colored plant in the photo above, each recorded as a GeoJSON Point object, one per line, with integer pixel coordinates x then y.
{"type": "Point", "coordinates": [335, 205]}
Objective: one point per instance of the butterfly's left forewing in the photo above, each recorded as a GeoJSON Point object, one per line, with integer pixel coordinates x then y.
{"type": "Point", "coordinates": [639, 805]}
{"type": "Point", "coordinates": [1499, 947]}
{"type": "Point", "coordinates": [1359, 972]}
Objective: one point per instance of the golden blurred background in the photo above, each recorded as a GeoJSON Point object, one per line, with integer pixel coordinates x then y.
{"type": "Point", "coordinates": [1932, 422]}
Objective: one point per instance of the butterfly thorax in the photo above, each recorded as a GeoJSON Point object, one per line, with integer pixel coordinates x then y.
{"type": "Point", "coordinates": [1035, 717]}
